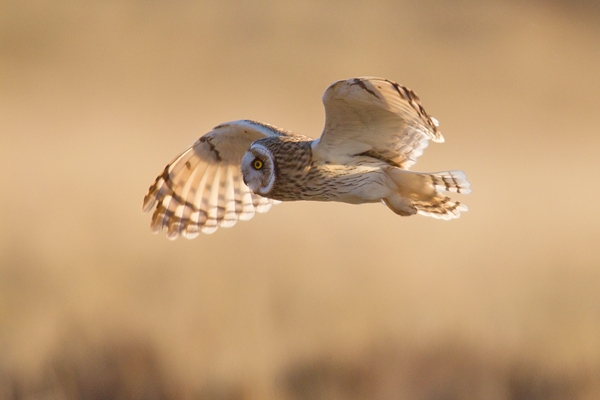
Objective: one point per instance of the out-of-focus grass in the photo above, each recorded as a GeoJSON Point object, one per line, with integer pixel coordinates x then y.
{"type": "Point", "coordinates": [309, 300]}
{"type": "Point", "coordinates": [449, 370]}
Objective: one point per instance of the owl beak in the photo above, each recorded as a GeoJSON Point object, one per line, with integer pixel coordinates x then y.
{"type": "Point", "coordinates": [244, 179]}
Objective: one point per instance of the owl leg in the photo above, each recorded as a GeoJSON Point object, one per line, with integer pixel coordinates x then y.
{"type": "Point", "coordinates": [400, 205]}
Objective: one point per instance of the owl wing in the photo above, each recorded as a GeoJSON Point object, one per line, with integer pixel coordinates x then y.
{"type": "Point", "coordinates": [202, 188]}
{"type": "Point", "coordinates": [375, 117]}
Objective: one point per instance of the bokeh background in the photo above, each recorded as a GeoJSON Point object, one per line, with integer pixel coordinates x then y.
{"type": "Point", "coordinates": [311, 300]}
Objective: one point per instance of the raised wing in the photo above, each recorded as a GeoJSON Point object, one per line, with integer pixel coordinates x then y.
{"type": "Point", "coordinates": [375, 117]}
{"type": "Point", "coordinates": [202, 188]}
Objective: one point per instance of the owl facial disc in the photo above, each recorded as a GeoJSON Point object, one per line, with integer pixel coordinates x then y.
{"type": "Point", "coordinates": [258, 169]}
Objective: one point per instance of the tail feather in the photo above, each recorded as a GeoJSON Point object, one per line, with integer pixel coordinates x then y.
{"type": "Point", "coordinates": [442, 207]}
{"type": "Point", "coordinates": [451, 181]}
{"type": "Point", "coordinates": [423, 193]}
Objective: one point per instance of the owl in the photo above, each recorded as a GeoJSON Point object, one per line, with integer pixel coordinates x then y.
{"type": "Point", "coordinates": [374, 131]}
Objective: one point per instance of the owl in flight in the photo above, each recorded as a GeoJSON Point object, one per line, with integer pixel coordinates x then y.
{"type": "Point", "coordinates": [374, 131]}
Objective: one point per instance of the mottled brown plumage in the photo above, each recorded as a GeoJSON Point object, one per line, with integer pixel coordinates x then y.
{"type": "Point", "coordinates": [374, 131]}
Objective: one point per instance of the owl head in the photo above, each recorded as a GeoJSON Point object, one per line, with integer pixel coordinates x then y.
{"type": "Point", "coordinates": [258, 169]}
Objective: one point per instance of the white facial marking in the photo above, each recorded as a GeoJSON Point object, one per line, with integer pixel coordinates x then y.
{"type": "Point", "coordinates": [257, 168]}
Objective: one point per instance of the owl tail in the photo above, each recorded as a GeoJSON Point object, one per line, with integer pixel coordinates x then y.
{"type": "Point", "coordinates": [424, 193]}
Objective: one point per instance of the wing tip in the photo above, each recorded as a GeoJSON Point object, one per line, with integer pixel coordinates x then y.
{"type": "Point", "coordinates": [149, 201]}
{"type": "Point", "coordinates": [438, 137]}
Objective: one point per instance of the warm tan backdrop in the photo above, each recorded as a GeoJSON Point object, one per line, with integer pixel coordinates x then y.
{"type": "Point", "coordinates": [309, 301]}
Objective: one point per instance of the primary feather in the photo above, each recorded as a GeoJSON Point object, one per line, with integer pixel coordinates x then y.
{"type": "Point", "coordinates": [202, 188]}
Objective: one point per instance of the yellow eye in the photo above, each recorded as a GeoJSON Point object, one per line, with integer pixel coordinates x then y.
{"type": "Point", "coordinates": [257, 164]}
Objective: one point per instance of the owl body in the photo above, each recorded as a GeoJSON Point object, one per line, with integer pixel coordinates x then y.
{"type": "Point", "coordinates": [299, 174]}
{"type": "Point", "coordinates": [374, 131]}
{"type": "Point", "coordinates": [332, 182]}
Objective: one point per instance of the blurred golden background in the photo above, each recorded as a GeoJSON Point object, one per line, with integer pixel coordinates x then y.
{"type": "Point", "coordinates": [311, 300]}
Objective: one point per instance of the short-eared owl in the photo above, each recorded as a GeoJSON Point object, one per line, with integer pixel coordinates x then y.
{"type": "Point", "coordinates": [374, 131]}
